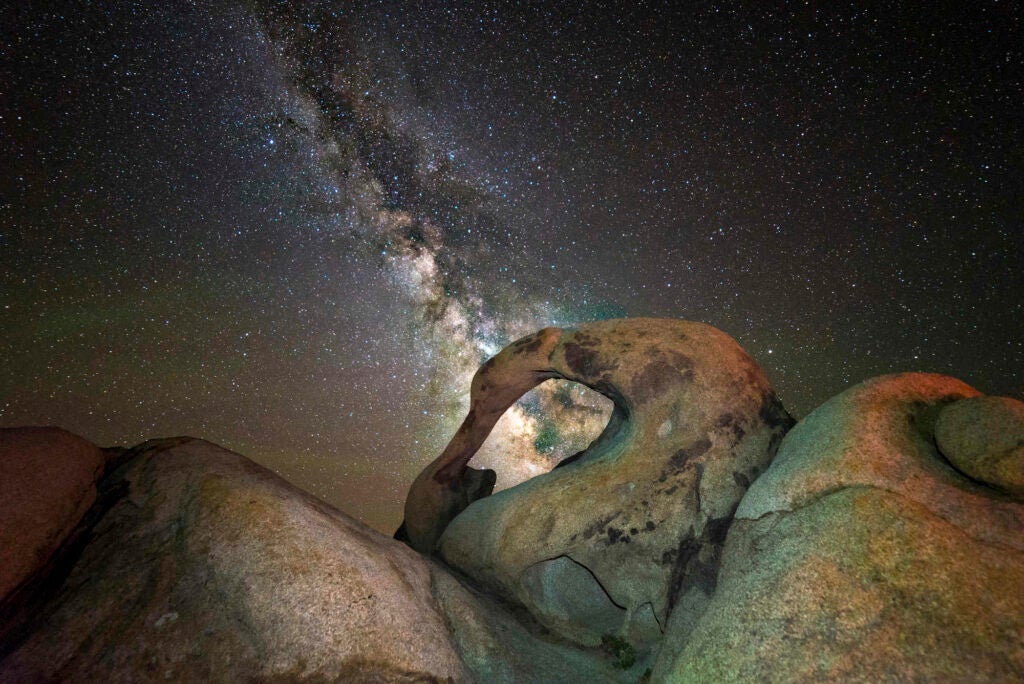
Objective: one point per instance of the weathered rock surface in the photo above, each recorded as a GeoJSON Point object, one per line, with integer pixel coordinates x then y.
{"type": "Point", "coordinates": [983, 437]}
{"type": "Point", "coordinates": [210, 568]}
{"type": "Point", "coordinates": [861, 555]}
{"type": "Point", "coordinates": [881, 433]}
{"type": "Point", "coordinates": [636, 522]}
{"type": "Point", "coordinates": [884, 543]}
{"type": "Point", "coordinates": [500, 644]}
{"type": "Point", "coordinates": [48, 481]}
{"type": "Point", "coordinates": [198, 565]}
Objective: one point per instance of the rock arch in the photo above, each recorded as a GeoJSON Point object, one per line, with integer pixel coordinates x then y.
{"type": "Point", "coordinates": [646, 507]}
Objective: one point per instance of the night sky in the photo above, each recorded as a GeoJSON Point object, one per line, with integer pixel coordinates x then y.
{"type": "Point", "coordinates": [297, 231]}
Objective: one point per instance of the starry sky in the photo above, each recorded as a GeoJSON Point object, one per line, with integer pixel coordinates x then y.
{"type": "Point", "coordinates": [296, 229]}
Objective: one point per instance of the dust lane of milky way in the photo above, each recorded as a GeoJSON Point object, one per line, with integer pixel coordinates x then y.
{"type": "Point", "coordinates": [296, 229]}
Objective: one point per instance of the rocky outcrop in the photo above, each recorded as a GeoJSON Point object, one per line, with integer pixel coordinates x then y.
{"type": "Point", "coordinates": [198, 565]}
{"type": "Point", "coordinates": [609, 542]}
{"type": "Point", "coordinates": [862, 555]}
{"type": "Point", "coordinates": [885, 542]}
{"type": "Point", "coordinates": [500, 644]}
{"type": "Point", "coordinates": [208, 567]}
{"type": "Point", "coordinates": [48, 481]}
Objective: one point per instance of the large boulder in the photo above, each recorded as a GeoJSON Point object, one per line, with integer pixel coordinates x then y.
{"type": "Point", "coordinates": [195, 564]}
{"type": "Point", "coordinates": [208, 567]}
{"type": "Point", "coordinates": [48, 482]}
{"type": "Point", "coordinates": [609, 542]}
{"type": "Point", "coordinates": [862, 555]}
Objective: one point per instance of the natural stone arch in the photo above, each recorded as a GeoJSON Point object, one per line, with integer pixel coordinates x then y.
{"type": "Point", "coordinates": [448, 485]}
{"type": "Point", "coordinates": [646, 507]}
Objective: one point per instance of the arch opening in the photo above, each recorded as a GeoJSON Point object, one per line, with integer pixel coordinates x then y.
{"type": "Point", "coordinates": [552, 422]}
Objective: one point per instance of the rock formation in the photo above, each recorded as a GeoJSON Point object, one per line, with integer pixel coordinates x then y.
{"type": "Point", "coordinates": [47, 484]}
{"type": "Point", "coordinates": [609, 542]}
{"type": "Point", "coordinates": [862, 555]}
{"type": "Point", "coordinates": [983, 437]}
{"type": "Point", "coordinates": [205, 565]}
{"type": "Point", "coordinates": [884, 542]}
{"type": "Point", "coordinates": [196, 564]}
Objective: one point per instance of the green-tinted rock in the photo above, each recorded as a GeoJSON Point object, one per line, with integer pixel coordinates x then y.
{"type": "Point", "coordinates": [642, 512]}
{"type": "Point", "coordinates": [861, 585]}
{"type": "Point", "coordinates": [861, 555]}
{"type": "Point", "coordinates": [498, 645]}
{"type": "Point", "coordinates": [983, 437]}
{"type": "Point", "coordinates": [881, 433]}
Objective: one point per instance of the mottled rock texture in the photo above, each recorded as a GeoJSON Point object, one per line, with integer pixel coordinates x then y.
{"type": "Point", "coordinates": [862, 555]}
{"type": "Point", "coordinates": [983, 437]}
{"type": "Point", "coordinates": [196, 564]}
{"type": "Point", "coordinates": [208, 567]}
{"type": "Point", "coordinates": [885, 542]}
{"type": "Point", "coordinates": [881, 433]}
{"type": "Point", "coordinates": [636, 522]}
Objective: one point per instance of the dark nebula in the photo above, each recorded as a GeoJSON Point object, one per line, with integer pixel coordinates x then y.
{"type": "Point", "coordinates": [296, 229]}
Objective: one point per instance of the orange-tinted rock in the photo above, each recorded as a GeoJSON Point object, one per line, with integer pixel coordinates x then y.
{"type": "Point", "coordinates": [862, 556]}
{"type": "Point", "coordinates": [881, 433]}
{"type": "Point", "coordinates": [47, 483]}
{"type": "Point", "coordinates": [642, 513]}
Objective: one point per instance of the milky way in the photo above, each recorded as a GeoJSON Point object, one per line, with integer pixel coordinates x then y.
{"type": "Point", "coordinates": [296, 229]}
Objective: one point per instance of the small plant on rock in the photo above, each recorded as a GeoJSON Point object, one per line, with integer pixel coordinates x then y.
{"type": "Point", "coordinates": [621, 651]}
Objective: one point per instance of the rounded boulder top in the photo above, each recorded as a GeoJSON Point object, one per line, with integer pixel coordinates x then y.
{"type": "Point", "coordinates": [983, 437]}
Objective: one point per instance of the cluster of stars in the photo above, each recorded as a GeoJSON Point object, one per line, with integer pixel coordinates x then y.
{"type": "Point", "coordinates": [296, 229]}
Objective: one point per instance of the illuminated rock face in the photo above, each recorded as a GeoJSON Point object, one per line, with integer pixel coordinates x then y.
{"type": "Point", "coordinates": [194, 564]}
{"type": "Point", "coordinates": [884, 542]}
{"type": "Point", "coordinates": [203, 566]}
{"type": "Point", "coordinates": [864, 553]}
{"type": "Point", "coordinates": [636, 522]}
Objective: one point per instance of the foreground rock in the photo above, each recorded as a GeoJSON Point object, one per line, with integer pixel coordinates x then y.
{"type": "Point", "coordinates": [884, 543]}
{"type": "Point", "coordinates": [48, 481]}
{"type": "Point", "coordinates": [499, 645]}
{"type": "Point", "coordinates": [209, 567]}
{"type": "Point", "coordinates": [608, 543]}
{"type": "Point", "coordinates": [861, 555]}
{"type": "Point", "coordinates": [199, 565]}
